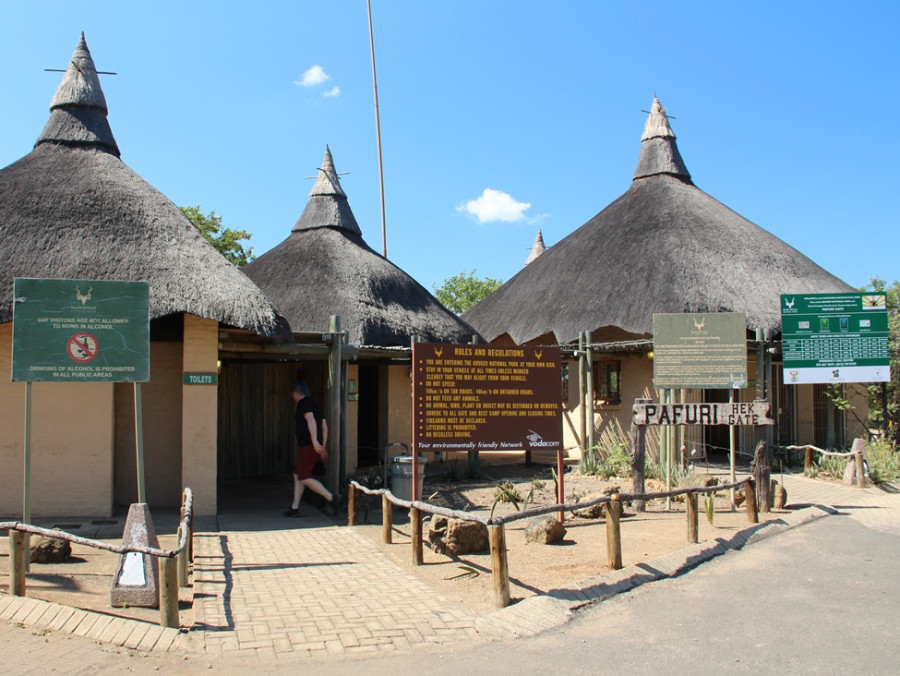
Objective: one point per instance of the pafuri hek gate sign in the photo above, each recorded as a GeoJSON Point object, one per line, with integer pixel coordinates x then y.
{"type": "Point", "coordinates": [71, 330]}
{"type": "Point", "coordinates": [483, 398]}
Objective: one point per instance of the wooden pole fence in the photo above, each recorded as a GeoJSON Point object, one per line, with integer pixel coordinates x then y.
{"type": "Point", "coordinates": [693, 526]}
{"type": "Point", "coordinates": [499, 565]}
{"type": "Point", "coordinates": [613, 533]}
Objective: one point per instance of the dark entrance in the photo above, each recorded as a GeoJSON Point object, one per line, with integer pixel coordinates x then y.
{"type": "Point", "coordinates": [367, 437]}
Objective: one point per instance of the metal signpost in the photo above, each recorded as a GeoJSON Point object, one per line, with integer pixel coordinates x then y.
{"type": "Point", "coordinates": [703, 351]}
{"type": "Point", "coordinates": [76, 330]}
{"type": "Point", "coordinates": [835, 338]}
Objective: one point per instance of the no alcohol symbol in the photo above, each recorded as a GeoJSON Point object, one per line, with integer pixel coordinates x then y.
{"type": "Point", "coordinates": [82, 347]}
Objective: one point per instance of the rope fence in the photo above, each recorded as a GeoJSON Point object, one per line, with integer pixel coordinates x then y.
{"type": "Point", "coordinates": [173, 563]}
{"type": "Point", "coordinates": [496, 524]}
{"type": "Point", "coordinates": [857, 452]}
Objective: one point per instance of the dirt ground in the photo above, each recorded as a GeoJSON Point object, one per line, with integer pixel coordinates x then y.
{"type": "Point", "coordinates": [533, 568]}
{"type": "Point", "coordinates": [538, 568]}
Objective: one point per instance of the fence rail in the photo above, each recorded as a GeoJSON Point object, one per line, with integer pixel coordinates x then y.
{"type": "Point", "coordinates": [173, 563]}
{"type": "Point", "coordinates": [857, 452]}
{"type": "Point", "coordinates": [495, 524]}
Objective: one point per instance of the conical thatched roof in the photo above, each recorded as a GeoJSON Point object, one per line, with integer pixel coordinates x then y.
{"type": "Point", "coordinates": [537, 249]}
{"type": "Point", "coordinates": [325, 268]}
{"type": "Point", "coordinates": [71, 209]}
{"type": "Point", "coordinates": [663, 246]}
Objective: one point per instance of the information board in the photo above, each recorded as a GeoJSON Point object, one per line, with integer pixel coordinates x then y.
{"type": "Point", "coordinates": [484, 398]}
{"type": "Point", "coordinates": [835, 338]}
{"type": "Point", "coordinates": [75, 330]}
{"type": "Point", "coordinates": [700, 350]}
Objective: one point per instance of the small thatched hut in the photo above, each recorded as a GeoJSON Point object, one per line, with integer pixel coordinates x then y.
{"type": "Point", "coordinates": [664, 246]}
{"type": "Point", "coordinates": [325, 268]}
{"type": "Point", "coordinates": [71, 209]}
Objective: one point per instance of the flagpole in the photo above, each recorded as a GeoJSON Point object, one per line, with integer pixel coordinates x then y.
{"type": "Point", "coordinates": [377, 133]}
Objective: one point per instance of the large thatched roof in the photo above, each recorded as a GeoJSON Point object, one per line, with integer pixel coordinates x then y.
{"type": "Point", "coordinates": [325, 268]}
{"type": "Point", "coordinates": [663, 246]}
{"type": "Point", "coordinates": [71, 209]}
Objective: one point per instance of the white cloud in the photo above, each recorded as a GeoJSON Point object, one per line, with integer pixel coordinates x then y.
{"type": "Point", "coordinates": [334, 91]}
{"type": "Point", "coordinates": [495, 205]}
{"type": "Point", "coordinates": [312, 77]}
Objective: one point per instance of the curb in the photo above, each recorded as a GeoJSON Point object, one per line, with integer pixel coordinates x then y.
{"type": "Point", "coordinates": [555, 608]}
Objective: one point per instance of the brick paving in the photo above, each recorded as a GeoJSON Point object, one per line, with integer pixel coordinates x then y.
{"type": "Point", "coordinates": [273, 589]}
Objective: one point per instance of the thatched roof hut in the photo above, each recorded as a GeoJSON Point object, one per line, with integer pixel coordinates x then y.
{"type": "Point", "coordinates": [71, 209]}
{"type": "Point", "coordinates": [663, 246]}
{"type": "Point", "coordinates": [325, 268]}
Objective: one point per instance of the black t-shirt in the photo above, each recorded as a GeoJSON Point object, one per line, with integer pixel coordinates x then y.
{"type": "Point", "coordinates": [304, 406]}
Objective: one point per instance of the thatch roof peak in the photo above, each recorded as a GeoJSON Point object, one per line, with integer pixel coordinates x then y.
{"type": "Point", "coordinates": [537, 249]}
{"type": "Point", "coordinates": [327, 206]}
{"type": "Point", "coordinates": [659, 152]}
{"type": "Point", "coordinates": [78, 110]}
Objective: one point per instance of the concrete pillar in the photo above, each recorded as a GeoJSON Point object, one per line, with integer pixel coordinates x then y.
{"type": "Point", "coordinates": [199, 414]}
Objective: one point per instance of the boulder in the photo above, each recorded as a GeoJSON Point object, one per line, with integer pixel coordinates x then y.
{"type": "Point", "coordinates": [544, 530]}
{"type": "Point", "coordinates": [595, 511]}
{"type": "Point", "coordinates": [457, 536]}
{"type": "Point", "coordinates": [50, 550]}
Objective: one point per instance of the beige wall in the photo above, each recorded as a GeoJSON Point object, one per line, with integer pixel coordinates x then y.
{"type": "Point", "coordinates": [199, 405]}
{"type": "Point", "coordinates": [352, 422]}
{"type": "Point", "coordinates": [71, 444]}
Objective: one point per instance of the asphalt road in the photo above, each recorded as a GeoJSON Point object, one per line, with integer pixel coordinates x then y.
{"type": "Point", "coordinates": [821, 599]}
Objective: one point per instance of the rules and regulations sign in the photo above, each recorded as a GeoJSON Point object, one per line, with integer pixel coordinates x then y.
{"type": "Point", "coordinates": [835, 338]}
{"type": "Point", "coordinates": [744, 413]}
{"type": "Point", "coordinates": [484, 398]}
{"type": "Point", "coordinates": [75, 330]}
{"type": "Point", "coordinates": [700, 350]}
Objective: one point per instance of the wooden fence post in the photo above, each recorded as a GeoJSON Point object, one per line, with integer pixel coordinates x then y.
{"type": "Point", "coordinates": [17, 550]}
{"type": "Point", "coordinates": [762, 475]}
{"type": "Point", "coordinates": [638, 455]}
{"type": "Point", "coordinates": [807, 461]}
{"type": "Point", "coordinates": [168, 592]}
{"type": "Point", "coordinates": [181, 560]}
{"type": "Point", "coordinates": [499, 565]}
{"type": "Point", "coordinates": [693, 537]}
{"type": "Point", "coordinates": [750, 501]}
{"type": "Point", "coordinates": [613, 533]}
{"type": "Point", "coordinates": [352, 506]}
{"type": "Point", "coordinates": [387, 525]}
{"type": "Point", "coordinates": [415, 529]}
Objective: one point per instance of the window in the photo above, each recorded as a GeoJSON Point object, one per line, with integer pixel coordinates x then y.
{"type": "Point", "coordinates": [607, 382]}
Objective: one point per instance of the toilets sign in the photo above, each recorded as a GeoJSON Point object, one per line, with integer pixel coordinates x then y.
{"type": "Point", "coordinates": [75, 330]}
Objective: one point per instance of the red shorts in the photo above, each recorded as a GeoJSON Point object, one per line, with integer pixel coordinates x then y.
{"type": "Point", "coordinates": [306, 460]}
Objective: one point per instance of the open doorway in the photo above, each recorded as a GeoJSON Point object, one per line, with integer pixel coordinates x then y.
{"type": "Point", "coordinates": [368, 431]}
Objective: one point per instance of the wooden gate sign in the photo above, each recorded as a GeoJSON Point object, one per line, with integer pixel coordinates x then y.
{"type": "Point", "coordinates": [743, 413]}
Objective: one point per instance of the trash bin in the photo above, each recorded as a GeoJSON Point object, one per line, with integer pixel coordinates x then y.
{"type": "Point", "coordinates": [401, 476]}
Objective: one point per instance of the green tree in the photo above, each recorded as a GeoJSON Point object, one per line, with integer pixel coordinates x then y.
{"type": "Point", "coordinates": [226, 241]}
{"type": "Point", "coordinates": [888, 393]}
{"type": "Point", "coordinates": [460, 292]}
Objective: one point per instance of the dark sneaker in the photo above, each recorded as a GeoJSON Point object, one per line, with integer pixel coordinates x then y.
{"type": "Point", "coordinates": [292, 512]}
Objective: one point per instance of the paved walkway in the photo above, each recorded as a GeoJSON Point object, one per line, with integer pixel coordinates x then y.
{"type": "Point", "coordinates": [341, 595]}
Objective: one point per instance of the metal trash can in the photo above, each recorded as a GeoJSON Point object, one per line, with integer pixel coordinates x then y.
{"type": "Point", "coordinates": [401, 476]}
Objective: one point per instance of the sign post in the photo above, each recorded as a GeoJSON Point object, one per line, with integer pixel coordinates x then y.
{"type": "Point", "coordinates": [835, 338]}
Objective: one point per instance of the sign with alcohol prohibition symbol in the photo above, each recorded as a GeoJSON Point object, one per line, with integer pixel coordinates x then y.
{"type": "Point", "coordinates": [82, 347]}
{"type": "Point", "coordinates": [76, 330]}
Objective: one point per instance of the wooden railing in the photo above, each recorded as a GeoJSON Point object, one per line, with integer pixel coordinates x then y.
{"type": "Point", "coordinates": [173, 563]}
{"type": "Point", "coordinates": [496, 524]}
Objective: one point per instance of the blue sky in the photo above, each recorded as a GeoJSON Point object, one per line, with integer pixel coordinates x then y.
{"type": "Point", "coordinates": [498, 118]}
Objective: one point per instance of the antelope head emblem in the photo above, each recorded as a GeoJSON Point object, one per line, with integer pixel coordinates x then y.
{"type": "Point", "coordinates": [699, 325]}
{"type": "Point", "coordinates": [538, 354]}
{"type": "Point", "coordinates": [790, 303]}
{"type": "Point", "coordinates": [83, 298]}
{"type": "Point", "coordinates": [438, 352]}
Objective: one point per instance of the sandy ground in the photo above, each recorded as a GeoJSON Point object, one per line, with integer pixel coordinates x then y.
{"type": "Point", "coordinates": [85, 581]}
{"type": "Point", "coordinates": [539, 568]}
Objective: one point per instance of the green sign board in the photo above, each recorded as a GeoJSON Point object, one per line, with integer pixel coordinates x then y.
{"type": "Point", "coordinates": [700, 350]}
{"type": "Point", "coordinates": [835, 338]}
{"type": "Point", "coordinates": [199, 378]}
{"type": "Point", "coordinates": [75, 330]}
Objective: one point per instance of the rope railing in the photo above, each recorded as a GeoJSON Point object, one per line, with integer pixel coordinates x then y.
{"type": "Point", "coordinates": [173, 563]}
{"type": "Point", "coordinates": [857, 452]}
{"type": "Point", "coordinates": [495, 524]}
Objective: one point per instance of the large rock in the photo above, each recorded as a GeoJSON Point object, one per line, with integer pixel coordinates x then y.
{"type": "Point", "coordinates": [599, 510]}
{"type": "Point", "coordinates": [544, 530]}
{"type": "Point", "coordinates": [457, 536]}
{"type": "Point", "coordinates": [50, 550]}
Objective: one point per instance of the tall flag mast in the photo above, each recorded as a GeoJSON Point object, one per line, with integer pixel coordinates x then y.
{"type": "Point", "coordinates": [377, 134]}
